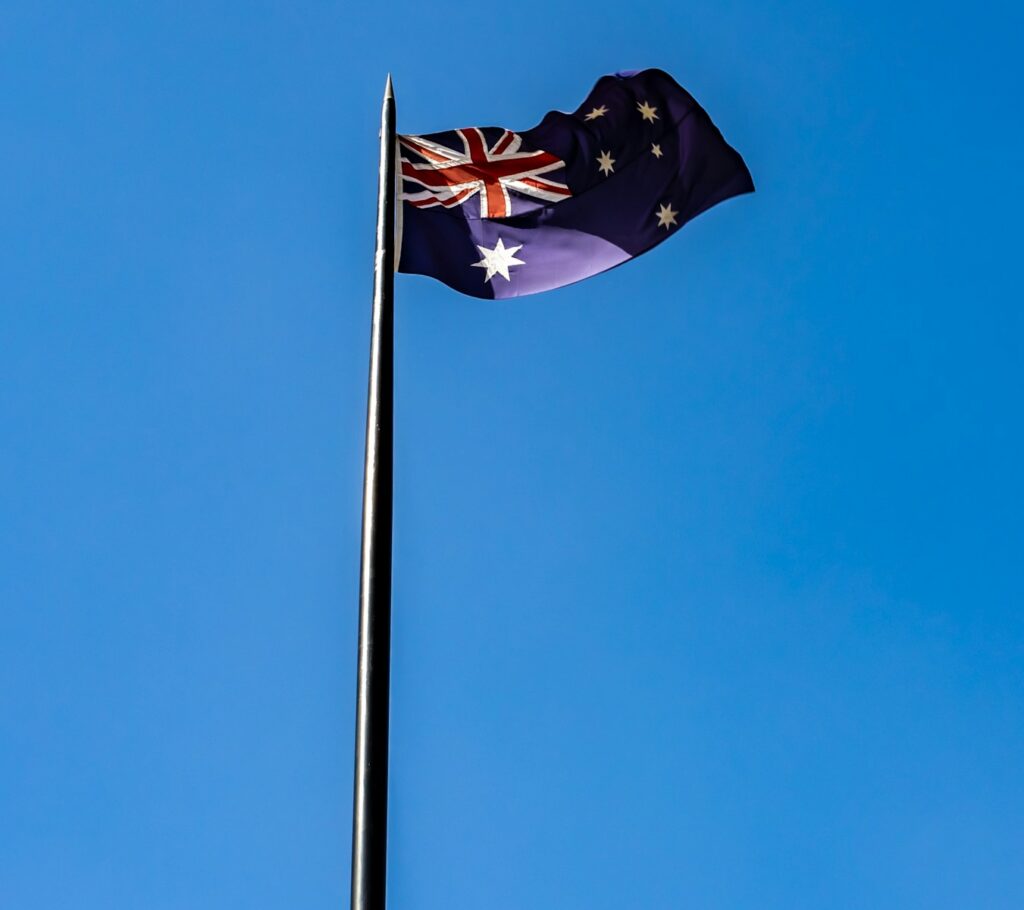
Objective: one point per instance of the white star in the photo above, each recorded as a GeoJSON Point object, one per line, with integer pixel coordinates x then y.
{"type": "Point", "coordinates": [498, 260]}
{"type": "Point", "coordinates": [656, 150]}
{"type": "Point", "coordinates": [596, 112]}
{"type": "Point", "coordinates": [666, 216]}
{"type": "Point", "coordinates": [605, 162]}
{"type": "Point", "coordinates": [647, 112]}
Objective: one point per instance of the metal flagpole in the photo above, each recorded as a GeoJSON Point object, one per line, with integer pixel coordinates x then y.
{"type": "Point", "coordinates": [370, 801]}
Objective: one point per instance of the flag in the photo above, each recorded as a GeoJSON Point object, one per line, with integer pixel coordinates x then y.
{"type": "Point", "coordinates": [496, 213]}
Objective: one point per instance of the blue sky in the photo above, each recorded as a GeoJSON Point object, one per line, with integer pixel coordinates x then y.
{"type": "Point", "coordinates": [707, 570]}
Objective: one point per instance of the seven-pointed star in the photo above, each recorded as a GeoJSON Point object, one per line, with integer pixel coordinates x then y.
{"type": "Point", "coordinates": [605, 162]}
{"type": "Point", "coordinates": [647, 112]}
{"type": "Point", "coordinates": [596, 112]}
{"type": "Point", "coordinates": [656, 150]}
{"type": "Point", "coordinates": [666, 216]}
{"type": "Point", "coordinates": [498, 260]}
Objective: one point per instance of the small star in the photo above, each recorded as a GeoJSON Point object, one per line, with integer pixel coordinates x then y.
{"type": "Point", "coordinates": [498, 260]}
{"type": "Point", "coordinates": [596, 112]}
{"type": "Point", "coordinates": [656, 150]}
{"type": "Point", "coordinates": [666, 216]}
{"type": "Point", "coordinates": [605, 162]}
{"type": "Point", "coordinates": [647, 112]}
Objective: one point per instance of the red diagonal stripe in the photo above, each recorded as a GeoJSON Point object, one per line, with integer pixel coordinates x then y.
{"type": "Point", "coordinates": [507, 138]}
{"type": "Point", "coordinates": [419, 149]}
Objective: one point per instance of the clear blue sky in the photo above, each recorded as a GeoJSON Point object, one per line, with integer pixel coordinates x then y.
{"type": "Point", "coordinates": [708, 586]}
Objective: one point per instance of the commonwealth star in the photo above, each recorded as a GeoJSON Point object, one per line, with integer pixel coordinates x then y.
{"type": "Point", "coordinates": [605, 162]}
{"type": "Point", "coordinates": [498, 260]}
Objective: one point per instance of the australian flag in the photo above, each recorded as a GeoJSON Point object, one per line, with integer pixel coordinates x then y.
{"type": "Point", "coordinates": [496, 214]}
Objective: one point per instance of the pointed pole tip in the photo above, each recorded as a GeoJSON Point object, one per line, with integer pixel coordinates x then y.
{"type": "Point", "coordinates": [389, 92]}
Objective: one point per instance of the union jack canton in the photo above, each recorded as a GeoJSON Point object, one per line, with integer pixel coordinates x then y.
{"type": "Point", "coordinates": [481, 169]}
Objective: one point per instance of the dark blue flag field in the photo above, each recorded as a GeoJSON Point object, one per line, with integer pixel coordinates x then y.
{"type": "Point", "coordinates": [495, 213]}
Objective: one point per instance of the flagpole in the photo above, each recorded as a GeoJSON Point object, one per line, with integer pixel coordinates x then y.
{"type": "Point", "coordinates": [370, 799]}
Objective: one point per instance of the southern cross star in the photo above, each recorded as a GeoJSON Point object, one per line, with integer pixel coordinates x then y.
{"type": "Point", "coordinates": [647, 112]}
{"type": "Point", "coordinates": [666, 216]}
{"type": "Point", "coordinates": [656, 150]}
{"type": "Point", "coordinates": [596, 112]}
{"type": "Point", "coordinates": [498, 260]}
{"type": "Point", "coordinates": [605, 162]}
